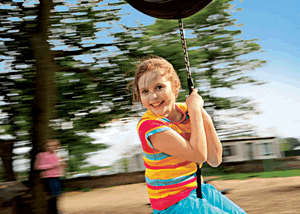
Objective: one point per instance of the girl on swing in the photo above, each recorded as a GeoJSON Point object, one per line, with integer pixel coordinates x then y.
{"type": "Point", "coordinates": [174, 137]}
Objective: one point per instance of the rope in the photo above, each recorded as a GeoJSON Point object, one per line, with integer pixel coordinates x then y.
{"type": "Point", "coordinates": [186, 58]}
{"type": "Point", "coordinates": [191, 88]}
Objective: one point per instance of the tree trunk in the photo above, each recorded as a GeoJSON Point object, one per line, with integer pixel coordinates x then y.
{"type": "Point", "coordinates": [6, 154]}
{"type": "Point", "coordinates": [44, 101]}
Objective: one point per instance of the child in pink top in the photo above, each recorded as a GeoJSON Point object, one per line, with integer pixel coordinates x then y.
{"type": "Point", "coordinates": [51, 170]}
{"type": "Point", "coordinates": [50, 165]}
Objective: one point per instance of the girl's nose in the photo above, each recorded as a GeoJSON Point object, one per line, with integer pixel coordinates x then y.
{"type": "Point", "coordinates": [153, 96]}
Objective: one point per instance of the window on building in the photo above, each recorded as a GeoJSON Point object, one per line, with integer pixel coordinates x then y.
{"type": "Point", "coordinates": [266, 149]}
{"type": "Point", "coordinates": [228, 151]}
{"type": "Point", "coordinates": [250, 150]}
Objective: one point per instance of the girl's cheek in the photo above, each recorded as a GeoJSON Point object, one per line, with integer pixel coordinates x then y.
{"type": "Point", "coordinates": [164, 92]}
{"type": "Point", "coordinates": [144, 100]}
{"type": "Point", "coordinates": [161, 92]}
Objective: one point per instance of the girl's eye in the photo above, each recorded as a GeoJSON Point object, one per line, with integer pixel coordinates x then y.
{"type": "Point", "coordinates": [159, 87]}
{"type": "Point", "coordinates": [144, 91]}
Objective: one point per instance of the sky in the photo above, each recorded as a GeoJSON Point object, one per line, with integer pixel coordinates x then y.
{"type": "Point", "coordinates": [276, 24]}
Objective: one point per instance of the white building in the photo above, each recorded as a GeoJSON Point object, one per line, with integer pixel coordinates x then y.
{"type": "Point", "coordinates": [234, 150]}
{"type": "Point", "coordinates": [250, 148]}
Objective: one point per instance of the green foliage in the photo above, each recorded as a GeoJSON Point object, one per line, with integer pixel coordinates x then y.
{"type": "Point", "coordinates": [86, 189]}
{"type": "Point", "coordinates": [284, 145]}
{"type": "Point", "coordinates": [70, 189]}
{"type": "Point", "coordinates": [272, 168]}
{"type": "Point", "coordinates": [89, 169]}
{"type": "Point", "coordinates": [292, 142]}
{"type": "Point", "coordinates": [125, 164]}
{"type": "Point", "coordinates": [271, 174]}
{"type": "Point", "coordinates": [22, 175]}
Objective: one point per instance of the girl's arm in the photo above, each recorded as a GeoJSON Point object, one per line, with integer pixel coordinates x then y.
{"type": "Point", "coordinates": [172, 143]}
{"type": "Point", "coordinates": [214, 146]}
{"type": "Point", "coordinates": [198, 137]}
{"type": "Point", "coordinates": [40, 165]}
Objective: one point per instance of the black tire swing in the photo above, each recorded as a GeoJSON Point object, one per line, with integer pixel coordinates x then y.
{"type": "Point", "coordinates": [175, 9]}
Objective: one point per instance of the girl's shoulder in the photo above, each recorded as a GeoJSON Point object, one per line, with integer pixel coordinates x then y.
{"type": "Point", "coordinates": [42, 154]}
{"type": "Point", "coordinates": [149, 119]}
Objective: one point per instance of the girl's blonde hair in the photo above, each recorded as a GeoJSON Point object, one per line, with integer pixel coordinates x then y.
{"type": "Point", "coordinates": [153, 63]}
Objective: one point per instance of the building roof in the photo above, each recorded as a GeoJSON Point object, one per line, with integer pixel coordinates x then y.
{"type": "Point", "coordinates": [237, 139]}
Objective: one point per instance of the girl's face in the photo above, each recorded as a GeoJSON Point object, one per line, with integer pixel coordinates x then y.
{"type": "Point", "coordinates": [157, 93]}
{"type": "Point", "coordinates": [52, 146]}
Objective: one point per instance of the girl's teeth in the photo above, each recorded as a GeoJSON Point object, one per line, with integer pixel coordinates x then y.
{"type": "Point", "coordinates": [156, 104]}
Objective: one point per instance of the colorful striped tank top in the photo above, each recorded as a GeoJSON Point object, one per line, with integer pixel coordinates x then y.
{"type": "Point", "coordinates": [169, 179]}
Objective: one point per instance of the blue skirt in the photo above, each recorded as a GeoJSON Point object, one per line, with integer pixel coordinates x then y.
{"type": "Point", "coordinates": [213, 201]}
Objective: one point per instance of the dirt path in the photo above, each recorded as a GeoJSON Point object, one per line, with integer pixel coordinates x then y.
{"type": "Point", "coordinates": [255, 196]}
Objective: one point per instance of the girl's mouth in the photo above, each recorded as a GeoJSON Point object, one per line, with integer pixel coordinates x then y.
{"type": "Point", "coordinates": [157, 105]}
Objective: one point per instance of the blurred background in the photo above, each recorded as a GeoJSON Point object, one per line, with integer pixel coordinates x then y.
{"type": "Point", "coordinates": [62, 67]}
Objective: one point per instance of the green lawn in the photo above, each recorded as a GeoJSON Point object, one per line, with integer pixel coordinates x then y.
{"type": "Point", "coordinates": [272, 174]}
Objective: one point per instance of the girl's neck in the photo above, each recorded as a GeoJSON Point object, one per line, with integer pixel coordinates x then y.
{"type": "Point", "coordinates": [177, 116]}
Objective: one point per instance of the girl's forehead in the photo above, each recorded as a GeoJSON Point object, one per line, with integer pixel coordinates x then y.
{"type": "Point", "coordinates": [150, 77]}
{"type": "Point", "coordinates": [51, 143]}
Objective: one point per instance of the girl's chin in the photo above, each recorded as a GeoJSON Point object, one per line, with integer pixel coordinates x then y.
{"type": "Point", "coordinates": [161, 113]}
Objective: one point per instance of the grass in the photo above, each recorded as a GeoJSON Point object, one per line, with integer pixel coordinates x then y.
{"type": "Point", "coordinates": [86, 189]}
{"type": "Point", "coordinates": [272, 174]}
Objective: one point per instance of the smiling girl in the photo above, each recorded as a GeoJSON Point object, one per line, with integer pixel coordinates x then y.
{"type": "Point", "coordinates": [174, 137]}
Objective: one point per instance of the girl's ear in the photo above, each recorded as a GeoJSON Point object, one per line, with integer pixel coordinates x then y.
{"type": "Point", "coordinates": [176, 87]}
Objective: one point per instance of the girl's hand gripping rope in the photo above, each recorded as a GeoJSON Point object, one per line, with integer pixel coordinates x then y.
{"type": "Point", "coordinates": [197, 141]}
{"type": "Point", "coordinates": [194, 101]}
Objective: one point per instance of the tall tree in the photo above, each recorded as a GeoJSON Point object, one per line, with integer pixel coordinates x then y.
{"type": "Point", "coordinates": [51, 88]}
{"type": "Point", "coordinates": [43, 109]}
{"type": "Point", "coordinates": [87, 94]}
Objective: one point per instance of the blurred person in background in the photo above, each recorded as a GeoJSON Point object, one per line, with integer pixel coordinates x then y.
{"type": "Point", "coordinates": [52, 169]}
